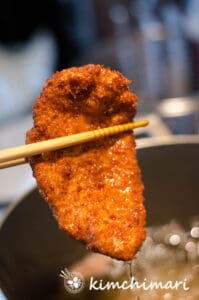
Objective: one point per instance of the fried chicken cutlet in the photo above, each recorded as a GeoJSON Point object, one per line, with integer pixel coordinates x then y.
{"type": "Point", "coordinates": [94, 189]}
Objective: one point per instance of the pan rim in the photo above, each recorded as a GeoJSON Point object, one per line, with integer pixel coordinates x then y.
{"type": "Point", "coordinates": [166, 141]}
{"type": "Point", "coordinates": [14, 204]}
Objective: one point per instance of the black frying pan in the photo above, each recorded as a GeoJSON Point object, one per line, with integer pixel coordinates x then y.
{"type": "Point", "coordinates": [33, 250]}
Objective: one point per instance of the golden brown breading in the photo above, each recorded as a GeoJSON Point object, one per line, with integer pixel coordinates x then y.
{"type": "Point", "coordinates": [94, 189]}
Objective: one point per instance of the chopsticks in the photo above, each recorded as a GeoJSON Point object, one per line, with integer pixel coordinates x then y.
{"type": "Point", "coordinates": [19, 155]}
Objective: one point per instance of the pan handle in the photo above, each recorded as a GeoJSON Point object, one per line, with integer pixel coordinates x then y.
{"type": "Point", "coordinates": [156, 127]}
{"type": "Point", "coordinates": [173, 116]}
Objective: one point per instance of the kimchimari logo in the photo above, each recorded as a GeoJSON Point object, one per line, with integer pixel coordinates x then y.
{"type": "Point", "coordinates": [100, 285]}
{"type": "Point", "coordinates": [73, 282]}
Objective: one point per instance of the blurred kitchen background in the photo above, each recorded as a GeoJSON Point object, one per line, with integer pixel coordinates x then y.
{"type": "Point", "coordinates": [155, 43]}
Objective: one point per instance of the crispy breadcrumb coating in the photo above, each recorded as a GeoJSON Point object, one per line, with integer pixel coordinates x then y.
{"type": "Point", "coordinates": [94, 189]}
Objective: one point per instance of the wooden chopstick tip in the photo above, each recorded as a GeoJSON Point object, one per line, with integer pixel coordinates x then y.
{"type": "Point", "coordinates": [142, 123]}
